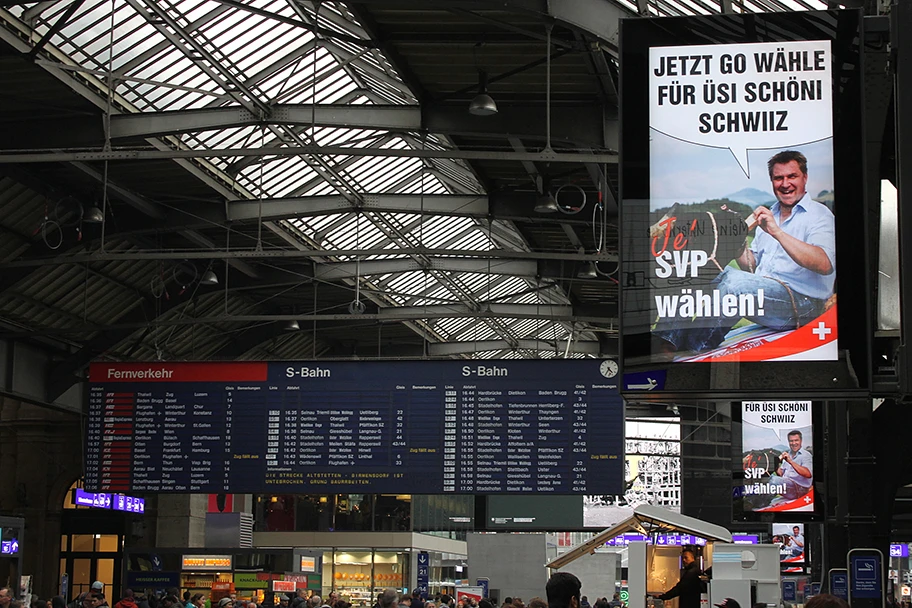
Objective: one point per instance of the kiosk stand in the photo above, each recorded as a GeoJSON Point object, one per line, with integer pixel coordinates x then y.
{"type": "Point", "coordinates": [746, 573]}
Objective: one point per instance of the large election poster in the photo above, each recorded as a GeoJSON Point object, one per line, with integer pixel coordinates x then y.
{"type": "Point", "coordinates": [777, 442]}
{"type": "Point", "coordinates": [792, 545]}
{"type": "Point", "coordinates": [741, 232]}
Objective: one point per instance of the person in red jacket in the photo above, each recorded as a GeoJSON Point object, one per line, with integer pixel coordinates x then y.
{"type": "Point", "coordinates": [127, 601]}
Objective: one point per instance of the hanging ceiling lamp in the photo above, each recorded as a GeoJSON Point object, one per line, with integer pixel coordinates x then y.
{"type": "Point", "coordinates": [482, 104]}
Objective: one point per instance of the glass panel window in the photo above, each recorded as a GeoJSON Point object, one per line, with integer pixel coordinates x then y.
{"type": "Point", "coordinates": [82, 574]}
{"type": "Point", "coordinates": [390, 570]}
{"type": "Point", "coordinates": [83, 542]}
{"type": "Point", "coordinates": [63, 542]}
{"type": "Point", "coordinates": [105, 573]}
{"type": "Point", "coordinates": [352, 575]}
{"type": "Point", "coordinates": [107, 542]}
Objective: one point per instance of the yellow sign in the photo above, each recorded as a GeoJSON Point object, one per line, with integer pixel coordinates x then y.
{"type": "Point", "coordinates": [206, 562]}
{"type": "Point", "coordinates": [308, 563]}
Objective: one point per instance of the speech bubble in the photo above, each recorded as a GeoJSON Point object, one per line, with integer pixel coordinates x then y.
{"type": "Point", "coordinates": [756, 96]}
{"type": "Point", "coordinates": [779, 418]}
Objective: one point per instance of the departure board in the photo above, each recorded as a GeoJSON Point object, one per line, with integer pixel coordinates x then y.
{"type": "Point", "coordinates": [421, 427]}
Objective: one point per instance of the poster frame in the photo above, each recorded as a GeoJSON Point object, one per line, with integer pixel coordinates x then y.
{"type": "Point", "coordinates": [779, 517]}
{"type": "Point", "coordinates": [850, 374]}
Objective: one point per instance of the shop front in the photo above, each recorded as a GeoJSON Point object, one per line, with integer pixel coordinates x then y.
{"type": "Point", "coordinates": [248, 574]}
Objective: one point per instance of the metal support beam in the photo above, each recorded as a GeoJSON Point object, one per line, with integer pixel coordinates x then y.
{"type": "Point", "coordinates": [149, 124]}
{"type": "Point", "coordinates": [588, 347]}
{"type": "Point", "coordinates": [129, 155]}
{"type": "Point", "coordinates": [600, 18]}
{"type": "Point", "coordinates": [121, 330]}
{"type": "Point", "coordinates": [252, 254]}
{"type": "Point", "coordinates": [580, 124]}
{"type": "Point", "coordinates": [433, 204]}
{"type": "Point", "coordinates": [349, 270]}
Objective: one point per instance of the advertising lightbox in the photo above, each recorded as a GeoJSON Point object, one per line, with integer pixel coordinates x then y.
{"type": "Point", "coordinates": [791, 541]}
{"type": "Point", "coordinates": [737, 214]}
{"type": "Point", "coordinates": [776, 472]}
{"type": "Point", "coordinates": [742, 240]}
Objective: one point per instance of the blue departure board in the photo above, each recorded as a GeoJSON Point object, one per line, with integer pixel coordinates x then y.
{"type": "Point", "coordinates": [421, 427]}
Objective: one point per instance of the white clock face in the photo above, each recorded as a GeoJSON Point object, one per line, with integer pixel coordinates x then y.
{"type": "Point", "coordinates": [609, 368]}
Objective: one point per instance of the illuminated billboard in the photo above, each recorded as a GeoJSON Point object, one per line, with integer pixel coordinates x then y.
{"type": "Point", "coordinates": [791, 541]}
{"type": "Point", "coordinates": [742, 240]}
{"type": "Point", "coordinates": [777, 442]}
{"type": "Point", "coordinates": [738, 213]}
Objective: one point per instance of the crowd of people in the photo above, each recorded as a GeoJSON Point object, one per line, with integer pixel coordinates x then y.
{"type": "Point", "coordinates": [562, 591]}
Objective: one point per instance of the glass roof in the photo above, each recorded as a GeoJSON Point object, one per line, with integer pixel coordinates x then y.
{"type": "Point", "coordinates": [253, 54]}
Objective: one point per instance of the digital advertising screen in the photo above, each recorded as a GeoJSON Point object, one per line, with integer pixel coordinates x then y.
{"type": "Point", "coordinates": [791, 541]}
{"type": "Point", "coordinates": [729, 214]}
{"type": "Point", "coordinates": [776, 472]}
{"type": "Point", "coordinates": [742, 240]}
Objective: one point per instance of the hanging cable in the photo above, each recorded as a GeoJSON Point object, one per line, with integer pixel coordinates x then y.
{"type": "Point", "coordinates": [259, 242]}
{"type": "Point", "coordinates": [109, 105]}
{"type": "Point", "coordinates": [548, 90]}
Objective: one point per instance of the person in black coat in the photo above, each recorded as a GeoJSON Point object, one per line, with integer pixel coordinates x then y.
{"type": "Point", "coordinates": [690, 586]}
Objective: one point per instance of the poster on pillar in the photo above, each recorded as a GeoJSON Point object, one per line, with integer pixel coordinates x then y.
{"type": "Point", "coordinates": [741, 231]}
{"type": "Point", "coordinates": [776, 472]}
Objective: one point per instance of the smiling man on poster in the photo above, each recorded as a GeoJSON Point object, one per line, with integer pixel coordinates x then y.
{"type": "Point", "coordinates": [777, 477]}
{"type": "Point", "coordinates": [741, 260]}
{"type": "Point", "coordinates": [791, 262]}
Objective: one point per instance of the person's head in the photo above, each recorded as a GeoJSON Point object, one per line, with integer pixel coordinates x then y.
{"type": "Point", "coordinates": [616, 596]}
{"type": "Point", "coordinates": [537, 602]}
{"type": "Point", "coordinates": [90, 601]}
{"type": "Point", "coordinates": [826, 600]}
{"type": "Point", "coordinates": [405, 600]}
{"type": "Point", "coordinates": [58, 602]}
{"type": "Point", "coordinates": [688, 557]}
{"type": "Point", "coordinates": [794, 439]}
{"type": "Point", "coordinates": [796, 530]}
{"type": "Point", "coordinates": [388, 598]}
{"type": "Point", "coordinates": [508, 600]}
{"type": "Point", "coordinates": [283, 600]}
{"type": "Point", "coordinates": [315, 600]}
{"type": "Point", "coordinates": [226, 602]}
{"type": "Point", "coordinates": [198, 599]}
{"type": "Point", "coordinates": [788, 174]}
{"type": "Point", "coordinates": [6, 596]}
{"type": "Point", "coordinates": [563, 590]}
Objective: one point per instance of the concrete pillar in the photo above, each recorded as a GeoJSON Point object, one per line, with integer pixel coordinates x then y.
{"type": "Point", "coordinates": [40, 458]}
{"type": "Point", "coordinates": [181, 520]}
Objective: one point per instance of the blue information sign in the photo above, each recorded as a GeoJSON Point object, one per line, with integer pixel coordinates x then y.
{"type": "Point", "coordinates": [153, 580]}
{"type": "Point", "coordinates": [839, 583]}
{"type": "Point", "coordinates": [899, 550]}
{"type": "Point", "coordinates": [790, 591]}
{"type": "Point", "coordinates": [865, 576]}
{"type": "Point", "coordinates": [479, 427]}
{"type": "Point", "coordinates": [484, 583]}
{"type": "Point", "coordinates": [424, 573]}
